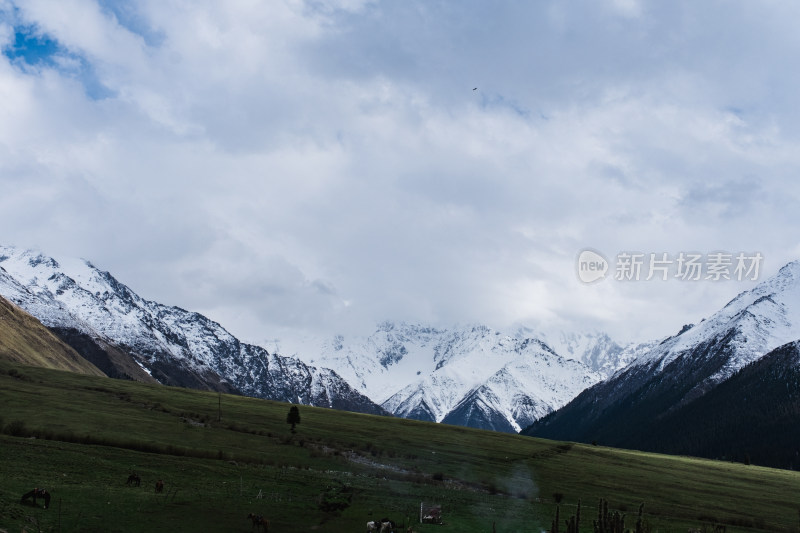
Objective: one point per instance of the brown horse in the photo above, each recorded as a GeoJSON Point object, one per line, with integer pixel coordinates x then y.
{"type": "Point", "coordinates": [159, 486]}
{"type": "Point", "coordinates": [259, 522]}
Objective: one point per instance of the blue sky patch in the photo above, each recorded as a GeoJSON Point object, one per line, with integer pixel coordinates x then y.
{"type": "Point", "coordinates": [32, 48]}
{"type": "Point", "coordinates": [35, 49]}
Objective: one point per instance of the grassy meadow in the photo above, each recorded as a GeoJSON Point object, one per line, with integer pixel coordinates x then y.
{"type": "Point", "coordinates": [222, 457]}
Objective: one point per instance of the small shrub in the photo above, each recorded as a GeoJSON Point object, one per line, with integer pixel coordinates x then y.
{"type": "Point", "coordinates": [45, 434]}
{"type": "Point", "coordinates": [16, 428]}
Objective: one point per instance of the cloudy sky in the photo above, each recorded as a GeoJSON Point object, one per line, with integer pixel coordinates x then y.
{"type": "Point", "coordinates": [288, 167]}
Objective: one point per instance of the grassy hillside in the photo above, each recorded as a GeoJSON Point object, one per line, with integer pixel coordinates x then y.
{"type": "Point", "coordinates": [217, 454]}
{"type": "Point", "coordinates": [23, 339]}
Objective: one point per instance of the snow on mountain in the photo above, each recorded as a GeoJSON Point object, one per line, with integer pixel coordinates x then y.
{"type": "Point", "coordinates": [465, 375]}
{"type": "Point", "coordinates": [94, 313]}
{"type": "Point", "coordinates": [595, 349]}
{"type": "Point", "coordinates": [525, 389]}
{"type": "Point", "coordinates": [394, 356]}
{"type": "Point", "coordinates": [756, 321]}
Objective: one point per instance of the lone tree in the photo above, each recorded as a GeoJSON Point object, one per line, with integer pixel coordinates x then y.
{"type": "Point", "coordinates": [293, 417]}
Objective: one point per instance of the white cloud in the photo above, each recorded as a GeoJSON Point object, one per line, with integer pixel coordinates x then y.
{"type": "Point", "coordinates": [317, 166]}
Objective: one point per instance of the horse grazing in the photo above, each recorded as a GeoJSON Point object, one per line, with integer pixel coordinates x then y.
{"type": "Point", "coordinates": [134, 480]}
{"type": "Point", "coordinates": [259, 522]}
{"type": "Point", "coordinates": [159, 486]}
{"type": "Point", "coordinates": [37, 493]}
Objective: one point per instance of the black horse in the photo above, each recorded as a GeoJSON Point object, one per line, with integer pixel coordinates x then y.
{"type": "Point", "coordinates": [134, 480]}
{"type": "Point", "coordinates": [37, 493]}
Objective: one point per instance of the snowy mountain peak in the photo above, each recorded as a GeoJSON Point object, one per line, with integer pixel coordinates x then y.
{"type": "Point", "coordinates": [595, 349]}
{"type": "Point", "coordinates": [469, 374]}
{"type": "Point", "coordinates": [755, 322]}
{"type": "Point", "coordinates": [789, 273]}
{"type": "Point", "coordinates": [105, 320]}
{"type": "Point", "coordinates": [749, 343]}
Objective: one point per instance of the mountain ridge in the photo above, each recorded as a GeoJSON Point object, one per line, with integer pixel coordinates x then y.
{"type": "Point", "coordinates": [469, 375]}
{"type": "Point", "coordinates": [105, 320]}
{"type": "Point", "coordinates": [628, 409]}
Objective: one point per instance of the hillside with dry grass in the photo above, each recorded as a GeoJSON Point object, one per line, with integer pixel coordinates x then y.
{"type": "Point", "coordinates": [24, 340]}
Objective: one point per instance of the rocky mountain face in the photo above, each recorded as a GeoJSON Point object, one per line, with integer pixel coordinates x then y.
{"type": "Point", "coordinates": [630, 409]}
{"type": "Point", "coordinates": [129, 337]}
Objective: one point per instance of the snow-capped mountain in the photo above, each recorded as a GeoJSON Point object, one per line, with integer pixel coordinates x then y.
{"type": "Point", "coordinates": [127, 336]}
{"type": "Point", "coordinates": [378, 365]}
{"type": "Point", "coordinates": [682, 368]}
{"type": "Point", "coordinates": [472, 376]}
{"type": "Point", "coordinates": [595, 349]}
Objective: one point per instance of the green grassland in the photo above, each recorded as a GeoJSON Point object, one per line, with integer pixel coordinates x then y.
{"type": "Point", "coordinates": [222, 457]}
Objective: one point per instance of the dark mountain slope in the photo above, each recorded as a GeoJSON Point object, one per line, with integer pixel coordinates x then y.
{"type": "Point", "coordinates": [753, 416]}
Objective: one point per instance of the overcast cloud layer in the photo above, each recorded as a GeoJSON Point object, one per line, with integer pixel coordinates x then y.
{"type": "Point", "coordinates": [304, 166]}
